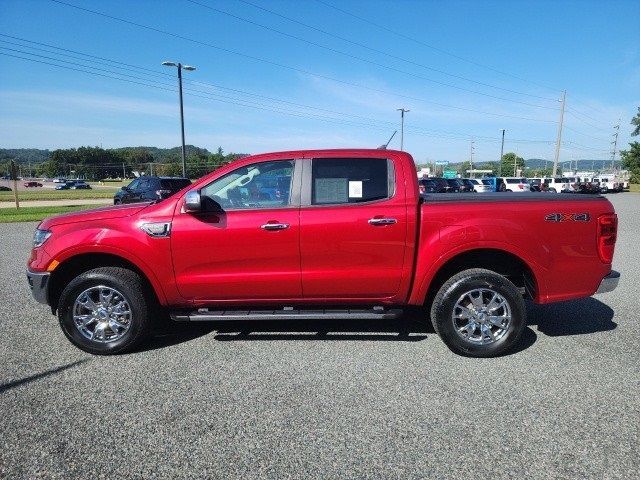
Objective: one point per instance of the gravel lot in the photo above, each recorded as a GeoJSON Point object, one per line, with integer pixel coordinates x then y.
{"type": "Point", "coordinates": [331, 401]}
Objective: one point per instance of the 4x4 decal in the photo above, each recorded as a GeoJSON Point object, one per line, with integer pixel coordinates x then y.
{"type": "Point", "coordinates": [565, 217]}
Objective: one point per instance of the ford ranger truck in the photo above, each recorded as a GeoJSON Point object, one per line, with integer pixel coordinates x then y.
{"type": "Point", "coordinates": [322, 234]}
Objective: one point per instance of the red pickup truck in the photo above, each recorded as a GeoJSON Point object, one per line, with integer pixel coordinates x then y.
{"type": "Point", "coordinates": [323, 234]}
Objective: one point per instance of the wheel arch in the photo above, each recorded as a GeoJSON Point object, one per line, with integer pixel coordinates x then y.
{"type": "Point", "coordinates": [497, 260]}
{"type": "Point", "coordinates": [77, 264]}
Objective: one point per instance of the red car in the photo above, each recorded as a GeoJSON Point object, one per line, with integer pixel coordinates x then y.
{"type": "Point", "coordinates": [32, 184]}
{"type": "Point", "coordinates": [352, 239]}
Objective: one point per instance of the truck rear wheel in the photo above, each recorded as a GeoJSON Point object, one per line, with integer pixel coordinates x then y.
{"type": "Point", "coordinates": [479, 313]}
{"type": "Point", "coordinates": [105, 311]}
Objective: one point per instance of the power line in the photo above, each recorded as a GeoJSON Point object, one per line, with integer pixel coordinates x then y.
{"type": "Point", "coordinates": [358, 44]}
{"type": "Point", "coordinates": [577, 117]}
{"type": "Point", "coordinates": [432, 47]}
{"type": "Point", "coordinates": [586, 134]}
{"type": "Point", "coordinates": [378, 125]}
{"type": "Point", "coordinates": [198, 82]}
{"type": "Point", "coordinates": [270, 62]}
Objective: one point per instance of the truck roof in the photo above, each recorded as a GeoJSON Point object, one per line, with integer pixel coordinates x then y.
{"type": "Point", "coordinates": [333, 152]}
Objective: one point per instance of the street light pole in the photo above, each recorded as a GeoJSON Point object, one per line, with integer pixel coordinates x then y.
{"type": "Point", "coordinates": [188, 68]}
{"type": "Point", "coordinates": [402, 112]}
{"type": "Point", "coordinates": [501, 155]}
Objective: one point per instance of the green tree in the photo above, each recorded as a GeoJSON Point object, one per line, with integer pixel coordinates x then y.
{"type": "Point", "coordinates": [50, 168]}
{"type": "Point", "coordinates": [463, 167]}
{"type": "Point", "coordinates": [631, 157]}
{"type": "Point", "coordinates": [508, 161]}
{"type": "Point", "coordinates": [635, 121]}
{"type": "Point", "coordinates": [631, 161]}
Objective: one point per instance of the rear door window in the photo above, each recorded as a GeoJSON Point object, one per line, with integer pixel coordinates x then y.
{"type": "Point", "coordinates": [349, 180]}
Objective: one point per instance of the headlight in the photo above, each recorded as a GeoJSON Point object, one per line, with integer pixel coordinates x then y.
{"type": "Point", "coordinates": [40, 236]}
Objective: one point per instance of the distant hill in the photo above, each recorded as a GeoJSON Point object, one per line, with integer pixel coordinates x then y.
{"type": "Point", "coordinates": [24, 155]}
{"type": "Point", "coordinates": [160, 155]}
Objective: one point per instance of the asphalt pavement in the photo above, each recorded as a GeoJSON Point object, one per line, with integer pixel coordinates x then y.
{"type": "Point", "coordinates": [325, 400]}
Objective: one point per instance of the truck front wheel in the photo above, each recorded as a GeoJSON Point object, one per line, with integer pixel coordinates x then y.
{"type": "Point", "coordinates": [479, 313]}
{"type": "Point", "coordinates": [105, 311]}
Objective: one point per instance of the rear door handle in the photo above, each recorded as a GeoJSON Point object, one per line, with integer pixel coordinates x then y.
{"type": "Point", "coordinates": [275, 226]}
{"type": "Point", "coordinates": [382, 221]}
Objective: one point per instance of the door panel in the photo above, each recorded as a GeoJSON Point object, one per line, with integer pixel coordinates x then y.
{"type": "Point", "coordinates": [351, 250]}
{"type": "Point", "coordinates": [228, 255]}
{"type": "Point", "coordinates": [245, 245]}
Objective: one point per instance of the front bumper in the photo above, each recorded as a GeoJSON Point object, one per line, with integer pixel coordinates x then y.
{"type": "Point", "coordinates": [39, 284]}
{"type": "Point", "coordinates": [609, 283]}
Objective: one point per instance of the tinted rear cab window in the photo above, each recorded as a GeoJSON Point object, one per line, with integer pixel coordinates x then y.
{"type": "Point", "coordinates": [350, 180]}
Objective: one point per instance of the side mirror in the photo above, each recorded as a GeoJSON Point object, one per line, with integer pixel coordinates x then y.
{"type": "Point", "coordinates": [125, 188]}
{"type": "Point", "coordinates": [192, 202]}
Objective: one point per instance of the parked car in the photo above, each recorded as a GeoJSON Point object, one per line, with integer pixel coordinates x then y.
{"type": "Point", "coordinates": [149, 189]}
{"type": "Point", "coordinates": [354, 240]}
{"type": "Point", "coordinates": [496, 184]}
{"type": "Point", "coordinates": [517, 184]}
{"type": "Point", "coordinates": [64, 186]}
{"type": "Point", "coordinates": [587, 185]}
{"type": "Point", "coordinates": [454, 185]}
{"type": "Point", "coordinates": [478, 185]}
{"type": "Point", "coordinates": [468, 185]}
{"type": "Point", "coordinates": [609, 183]}
{"type": "Point", "coordinates": [433, 185]}
{"type": "Point", "coordinates": [535, 184]}
{"type": "Point", "coordinates": [32, 184]}
{"type": "Point", "coordinates": [429, 185]}
{"type": "Point", "coordinates": [80, 185]}
{"type": "Point", "coordinates": [5, 189]}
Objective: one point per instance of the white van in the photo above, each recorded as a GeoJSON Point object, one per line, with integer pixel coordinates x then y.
{"type": "Point", "coordinates": [556, 185]}
{"type": "Point", "coordinates": [517, 184]}
{"type": "Point", "coordinates": [608, 183]}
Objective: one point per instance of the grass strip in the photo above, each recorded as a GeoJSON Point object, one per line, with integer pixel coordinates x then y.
{"type": "Point", "coordinates": [58, 194]}
{"type": "Point", "coordinates": [34, 214]}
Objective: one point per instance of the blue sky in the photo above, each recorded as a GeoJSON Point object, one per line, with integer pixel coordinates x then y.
{"type": "Point", "coordinates": [321, 77]}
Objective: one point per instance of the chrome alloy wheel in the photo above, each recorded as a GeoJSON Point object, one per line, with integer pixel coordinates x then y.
{"type": "Point", "coordinates": [481, 316]}
{"type": "Point", "coordinates": [102, 314]}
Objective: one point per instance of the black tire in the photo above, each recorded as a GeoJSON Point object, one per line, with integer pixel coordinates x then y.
{"type": "Point", "coordinates": [117, 202]}
{"type": "Point", "coordinates": [453, 289]}
{"type": "Point", "coordinates": [131, 286]}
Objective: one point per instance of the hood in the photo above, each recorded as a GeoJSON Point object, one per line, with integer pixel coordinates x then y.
{"type": "Point", "coordinates": [104, 213]}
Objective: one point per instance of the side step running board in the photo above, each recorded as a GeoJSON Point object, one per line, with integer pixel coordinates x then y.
{"type": "Point", "coordinates": [205, 315]}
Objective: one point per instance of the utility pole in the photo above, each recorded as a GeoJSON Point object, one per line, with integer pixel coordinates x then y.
{"type": "Point", "coordinates": [402, 112]}
{"type": "Point", "coordinates": [124, 173]}
{"type": "Point", "coordinates": [559, 140]}
{"type": "Point", "coordinates": [14, 177]}
{"type": "Point", "coordinates": [501, 155]}
{"type": "Point", "coordinates": [188, 68]}
{"type": "Point", "coordinates": [471, 159]}
{"type": "Point", "coordinates": [615, 145]}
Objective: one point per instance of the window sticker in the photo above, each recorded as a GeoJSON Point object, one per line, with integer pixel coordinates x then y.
{"type": "Point", "coordinates": [331, 190]}
{"type": "Point", "coordinates": [355, 189]}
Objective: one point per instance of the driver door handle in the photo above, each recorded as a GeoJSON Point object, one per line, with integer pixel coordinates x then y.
{"type": "Point", "coordinates": [382, 221]}
{"type": "Point", "coordinates": [275, 226]}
